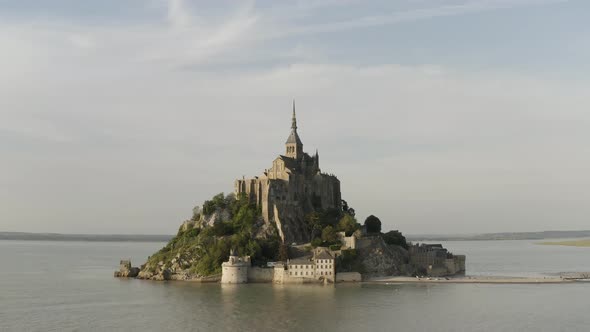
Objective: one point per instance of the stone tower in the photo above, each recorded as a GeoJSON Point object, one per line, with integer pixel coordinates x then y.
{"type": "Point", "coordinates": [294, 146]}
{"type": "Point", "coordinates": [291, 189]}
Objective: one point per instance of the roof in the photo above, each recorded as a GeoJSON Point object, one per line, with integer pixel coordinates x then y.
{"type": "Point", "coordinates": [301, 261]}
{"type": "Point", "coordinates": [294, 138]}
{"type": "Point", "coordinates": [324, 255]}
{"type": "Point", "coordinates": [290, 163]}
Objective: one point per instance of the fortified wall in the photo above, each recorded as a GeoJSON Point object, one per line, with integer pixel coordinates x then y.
{"type": "Point", "coordinates": [436, 261]}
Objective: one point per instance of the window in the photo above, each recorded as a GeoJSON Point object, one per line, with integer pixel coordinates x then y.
{"type": "Point", "coordinates": [295, 272]}
{"type": "Point", "coordinates": [322, 273]}
{"type": "Point", "coordinates": [305, 272]}
{"type": "Point", "coordinates": [290, 273]}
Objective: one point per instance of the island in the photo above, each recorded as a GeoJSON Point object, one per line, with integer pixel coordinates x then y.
{"type": "Point", "coordinates": [289, 225]}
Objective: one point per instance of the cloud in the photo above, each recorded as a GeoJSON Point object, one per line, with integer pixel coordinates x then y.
{"type": "Point", "coordinates": [110, 128]}
{"type": "Point", "coordinates": [426, 10]}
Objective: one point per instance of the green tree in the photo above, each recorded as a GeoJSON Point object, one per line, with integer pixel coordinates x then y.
{"type": "Point", "coordinates": [373, 224]}
{"type": "Point", "coordinates": [395, 238]}
{"type": "Point", "coordinates": [316, 242]}
{"type": "Point", "coordinates": [283, 252]}
{"type": "Point", "coordinates": [348, 224]}
{"type": "Point", "coordinates": [313, 221]}
{"type": "Point", "coordinates": [329, 235]}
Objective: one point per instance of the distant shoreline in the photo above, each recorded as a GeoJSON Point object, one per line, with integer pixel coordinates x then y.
{"type": "Point", "coordinates": [22, 236]}
{"type": "Point", "coordinates": [501, 236]}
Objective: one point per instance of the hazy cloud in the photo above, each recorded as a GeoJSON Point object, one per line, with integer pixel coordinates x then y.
{"type": "Point", "coordinates": [124, 127]}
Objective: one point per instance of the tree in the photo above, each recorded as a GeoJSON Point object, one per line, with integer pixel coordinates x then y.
{"type": "Point", "coordinates": [283, 252]}
{"type": "Point", "coordinates": [313, 224]}
{"type": "Point", "coordinates": [196, 213]}
{"type": "Point", "coordinates": [373, 224]}
{"type": "Point", "coordinates": [329, 235]}
{"type": "Point", "coordinates": [316, 242]}
{"type": "Point", "coordinates": [347, 209]}
{"type": "Point", "coordinates": [348, 224]}
{"type": "Point", "coordinates": [395, 238]}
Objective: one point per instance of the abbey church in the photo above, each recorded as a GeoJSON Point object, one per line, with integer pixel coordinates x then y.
{"type": "Point", "coordinates": [292, 188]}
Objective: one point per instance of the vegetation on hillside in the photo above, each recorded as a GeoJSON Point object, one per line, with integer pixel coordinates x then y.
{"type": "Point", "coordinates": [395, 238]}
{"type": "Point", "coordinates": [324, 225]}
{"type": "Point", "coordinates": [349, 261]}
{"type": "Point", "coordinates": [205, 248]}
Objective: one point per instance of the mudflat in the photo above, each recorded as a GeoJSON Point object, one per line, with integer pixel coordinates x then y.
{"type": "Point", "coordinates": [573, 243]}
{"type": "Point", "coordinates": [473, 280]}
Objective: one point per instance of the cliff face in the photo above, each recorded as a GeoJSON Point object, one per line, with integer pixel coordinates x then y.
{"type": "Point", "coordinates": [286, 198]}
{"type": "Point", "coordinates": [380, 259]}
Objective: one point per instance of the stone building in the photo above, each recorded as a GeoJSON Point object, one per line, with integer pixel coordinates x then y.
{"type": "Point", "coordinates": [235, 270]}
{"type": "Point", "coordinates": [292, 188]}
{"type": "Point", "coordinates": [321, 266]}
{"type": "Point", "coordinates": [434, 260]}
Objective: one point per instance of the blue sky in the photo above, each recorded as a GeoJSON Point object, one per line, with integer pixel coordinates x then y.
{"type": "Point", "coordinates": [448, 116]}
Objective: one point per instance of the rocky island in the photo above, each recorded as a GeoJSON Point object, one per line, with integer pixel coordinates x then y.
{"type": "Point", "coordinates": [289, 225]}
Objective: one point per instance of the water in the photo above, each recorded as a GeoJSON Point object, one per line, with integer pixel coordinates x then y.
{"type": "Point", "coordinates": [68, 286]}
{"type": "Point", "coordinates": [520, 258]}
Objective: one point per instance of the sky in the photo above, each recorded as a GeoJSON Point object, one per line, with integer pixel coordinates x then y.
{"type": "Point", "coordinates": [437, 116]}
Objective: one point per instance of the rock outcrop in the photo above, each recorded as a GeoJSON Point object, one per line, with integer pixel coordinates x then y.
{"type": "Point", "coordinates": [126, 270]}
{"type": "Point", "coordinates": [380, 259]}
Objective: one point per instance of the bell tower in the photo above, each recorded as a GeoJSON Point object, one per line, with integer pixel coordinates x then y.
{"type": "Point", "coordinates": [294, 146]}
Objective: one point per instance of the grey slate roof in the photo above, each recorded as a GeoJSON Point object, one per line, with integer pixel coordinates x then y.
{"type": "Point", "coordinates": [324, 255]}
{"type": "Point", "coordinates": [301, 261]}
{"type": "Point", "coordinates": [294, 138]}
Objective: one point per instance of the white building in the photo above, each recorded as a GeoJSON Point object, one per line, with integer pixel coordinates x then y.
{"type": "Point", "coordinates": [325, 265]}
{"type": "Point", "coordinates": [320, 267]}
{"type": "Point", "coordinates": [235, 270]}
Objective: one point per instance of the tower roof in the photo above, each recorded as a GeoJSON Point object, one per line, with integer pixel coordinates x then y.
{"type": "Point", "coordinates": [294, 137]}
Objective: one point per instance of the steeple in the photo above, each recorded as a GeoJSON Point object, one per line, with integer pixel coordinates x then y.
{"type": "Point", "coordinates": [294, 119]}
{"type": "Point", "coordinates": [316, 161]}
{"type": "Point", "coordinates": [294, 146]}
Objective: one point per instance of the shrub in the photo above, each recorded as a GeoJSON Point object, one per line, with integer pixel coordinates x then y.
{"type": "Point", "coordinates": [335, 247]}
{"type": "Point", "coordinates": [395, 238]}
{"type": "Point", "coordinates": [329, 235]}
{"type": "Point", "coordinates": [373, 224]}
{"type": "Point", "coordinates": [348, 224]}
{"type": "Point", "coordinates": [316, 242]}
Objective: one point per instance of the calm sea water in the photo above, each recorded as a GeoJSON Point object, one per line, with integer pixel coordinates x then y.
{"type": "Point", "coordinates": [68, 286]}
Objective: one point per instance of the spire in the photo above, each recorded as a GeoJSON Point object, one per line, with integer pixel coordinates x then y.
{"type": "Point", "coordinates": [294, 147]}
{"type": "Point", "coordinates": [294, 119]}
{"type": "Point", "coordinates": [316, 161]}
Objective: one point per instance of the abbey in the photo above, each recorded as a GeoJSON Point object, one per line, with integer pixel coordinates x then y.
{"type": "Point", "coordinates": [292, 188]}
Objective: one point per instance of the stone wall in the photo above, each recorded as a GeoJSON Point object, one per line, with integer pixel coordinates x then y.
{"type": "Point", "coordinates": [348, 277]}
{"type": "Point", "coordinates": [234, 274]}
{"type": "Point", "coordinates": [259, 274]}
